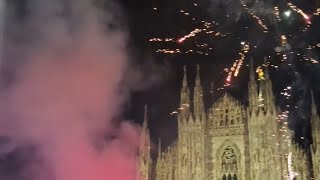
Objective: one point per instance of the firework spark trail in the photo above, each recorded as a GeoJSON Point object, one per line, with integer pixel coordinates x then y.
{"type": "Point", "coordinates": [178, 51]}
{"type": "Point", "coordinates": [196, 31]}
{"type": "Point", "coordinates": [317, 12]}
{"type": "Point", "coordinates": [191, 34]}
{"type": "Point", "coordinates": [207, 29]}
{"type": "Point", "coordinates": [287, 135]}
{"type": "Point", "coordinates": [287, 93]}
{"type": "Point", "coordinates": [254, 16]}
{"type": "Point", "coordinates": [235, 69]}
{"type": "Point", "coordinates": [299, 11]}
{"type": "Point", "coordinates": [162, 40]}
{"type": "Point", "coordinates": [277, 13]}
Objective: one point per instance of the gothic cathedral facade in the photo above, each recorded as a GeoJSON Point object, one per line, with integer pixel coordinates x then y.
{"type": "Point", "coordinates": [231, 141]}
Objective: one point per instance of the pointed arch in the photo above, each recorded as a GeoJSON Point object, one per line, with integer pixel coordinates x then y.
{"type": "Point", "coordinates": [228, 156]}
{"type": "Point", "coordinates": [224, 177]}
{"type": "Point", "coordinates": [224, 145]}
{"type": "Point", "coordinates": [235, 177]}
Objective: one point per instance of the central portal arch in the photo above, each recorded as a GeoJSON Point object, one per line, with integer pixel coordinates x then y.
{"type": "Point", "coordinates": [229, 157]}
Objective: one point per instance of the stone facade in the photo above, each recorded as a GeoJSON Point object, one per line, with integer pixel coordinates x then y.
{"type": "Point", "coordinates": [233, 142]}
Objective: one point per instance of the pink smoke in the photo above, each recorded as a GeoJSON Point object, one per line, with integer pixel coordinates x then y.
{"type": "Point", "coordinates": [67, 94]}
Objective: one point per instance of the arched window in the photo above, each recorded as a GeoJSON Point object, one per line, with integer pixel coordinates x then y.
{"type": "Point", "coordinates": [232, 122]}
{"type": "Point", "coordinates": [235, 177]}
{"type": "Point", "coordinates": [229, 164]}
{"type": "Point", "coordinates": [224, 177]}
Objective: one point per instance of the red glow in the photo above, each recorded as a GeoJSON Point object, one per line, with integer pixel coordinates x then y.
{"type": "Point", "coordinates": [307, 18]}
{"type": "Point", "coordinates": [181, 40]}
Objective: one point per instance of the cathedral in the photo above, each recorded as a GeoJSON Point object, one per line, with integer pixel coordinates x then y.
{"type": "Point", "coordinates": [230, 141]}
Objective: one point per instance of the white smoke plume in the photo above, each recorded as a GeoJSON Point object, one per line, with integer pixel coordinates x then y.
{"type": "Point", "coordinates": [66, 95]}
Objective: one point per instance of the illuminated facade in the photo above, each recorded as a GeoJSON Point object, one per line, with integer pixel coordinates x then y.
{"type": "Point", "coordinates": [233, 142]}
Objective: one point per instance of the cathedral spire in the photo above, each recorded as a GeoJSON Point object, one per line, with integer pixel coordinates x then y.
{"type": "Point", "coordinates": [185, 81]}
{"type": "Point", "coordinates": [144, 165]}
{"type": "Point", "coordinates": [145, 136]}
{"type": "Point", "coordinates": [198, 76]}
{"type": "Point", "coordinates": [252, 74]}
{"type": "Point", "coordinates": [266, 72]}
{"type": "Point", "coordinates": [198, 106]}
{"type": "Point", "coordinates": [253, 93]}
{"type": "Point", "coordinates": [313, 105]}
{"type": "Point", "coordinates": [145, 120]}
{"type": "Point", "coordinates": [184, 98]}
{"type": "Point", "coordinates": [159, 148]}
{"type": "Point", "coordinates": [268, 91]}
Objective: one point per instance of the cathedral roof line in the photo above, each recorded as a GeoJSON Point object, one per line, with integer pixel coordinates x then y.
{"type": "Point", "coordinates": [227, 100]}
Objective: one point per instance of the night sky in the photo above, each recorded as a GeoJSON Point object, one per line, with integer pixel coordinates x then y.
{"type": "Point", "coordinates": [167, 21]}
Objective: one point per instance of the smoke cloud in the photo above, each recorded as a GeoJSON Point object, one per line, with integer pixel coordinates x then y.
{"type": "Point", "coordinates": [60, 112]}
{"type": "Point", "coordinates": [230, 11]}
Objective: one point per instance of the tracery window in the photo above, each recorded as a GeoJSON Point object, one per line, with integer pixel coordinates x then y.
{"type": "Point", "coordinates": [229, 164]}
